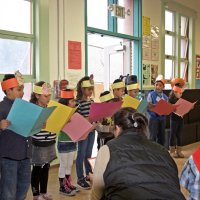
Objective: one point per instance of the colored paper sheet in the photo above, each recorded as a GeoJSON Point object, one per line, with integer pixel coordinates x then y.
{"type": "Point", "coordinates": [142, 106]}
{"type": "Point", "coordinates": [98, 111]}
{"type": "Point", "coordinates": [27, 118]}
{"type": "Point", "coordinates": [129, 101]}
{"type": "Point", "coordinates": [163, 108]}
{"type": "Point", "coordinates": [92, 162]}
{"type": "Point", "coordinates": [59, 117]}
{"type": "Point", "coordinates": [183, 107]}
{"type": "Point", "coordinates": [78, 127]}
{"type": "Point", "coordinates": [74, 55]}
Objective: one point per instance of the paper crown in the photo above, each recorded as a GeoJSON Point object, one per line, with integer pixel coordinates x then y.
{"type": "Point", "coordinates": [87, 83]}
{"type": "Point", "coordinates": [161, 79]}
{"type": "Point", "coordinates": [13, 82]}
{"type": "Point", "coordinates": [106, 97]}
{"type": "Point", "coordinates": [177, 89]}
{"type": "Point", "coordinates": [67, 94]}
{"type": "Point", "coordinates": [118, 85]}
{"type": "Point", "coordinates": [178, 82]}
{"type": "Point", "coordinates": [44, 89]}
{"type": "Point", "coordinates": [132, 86]}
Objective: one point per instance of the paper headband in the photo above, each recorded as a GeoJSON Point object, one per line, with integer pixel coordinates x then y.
{"type": "Point", "coordinates": [118, 85]}
{"type": "Point", "coordinates": [132, 86]}
{"type": "Point", "coordinates": [87, 83]}
{"type": "Point", "coordinates": [106, 97]}
{"type": "Point", "coordinates": [44, 89]}
{"type": "Point", "coordinates": [177, 89]}
{"type": "Point", "coordinates": [67, 94]}
{"type": "Point", "coordinates": [13, 82]}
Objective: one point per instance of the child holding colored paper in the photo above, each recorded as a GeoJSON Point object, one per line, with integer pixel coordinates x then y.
{"type": "Point", "coordinates": [176, 122]}
{"type": "Point", "coordinates": [132, 86]}
{"type": "Point", "coordinates": [157, 122]}
{"type": "Point", "coordinates": [118, 88]}
{"type": "Point", "coordinates": [66, 150]}
{"type": "Point", "coordinates": [85, 89]}
{"type": "Point", "coordinates": [105, 128]}
{"type": "Point", "coordinates": [15, 150]}
{"type": "Point", "coordinates": [43, 146]}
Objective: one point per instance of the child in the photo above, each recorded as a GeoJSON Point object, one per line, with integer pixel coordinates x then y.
{"type": "Point", "coordinates": [15, 150]}
{"type": "Point", "coordinates": [85, 88]}
{"type": "Point", "coordinates": [132, 86]}
{"type": "Point", "coordinates": [118, 88]}
{"type": "Point", "coordinates": [43, 144]}
{"type": "Point", "coordinates": [190, 176]}
{"type": "Point", "coordinates": [176, 122]}
{"type": "Point", "coordinates": [105, 128]}
{"type": "Point", "coordinates": [157, 122]}
{"type": "Point", "coordinates": [66, 150]}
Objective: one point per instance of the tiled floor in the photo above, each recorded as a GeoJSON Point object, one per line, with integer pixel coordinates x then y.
{"type": "Point", "coordinates": [84, 195]}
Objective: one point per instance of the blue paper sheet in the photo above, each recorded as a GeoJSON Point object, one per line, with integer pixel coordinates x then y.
{"type": "Point", "coordinates": [27, 118]}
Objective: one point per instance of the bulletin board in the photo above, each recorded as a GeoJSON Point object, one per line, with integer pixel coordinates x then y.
{"type": "Point", "coordinates": [197, 66]}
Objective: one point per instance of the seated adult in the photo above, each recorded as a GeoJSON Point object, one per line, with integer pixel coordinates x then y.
{"type": "Point", "coordinates": [131, 166]}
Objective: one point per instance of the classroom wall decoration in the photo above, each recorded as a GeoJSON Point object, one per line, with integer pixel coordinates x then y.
{"type": "Point", "coordinates": [197, 66]}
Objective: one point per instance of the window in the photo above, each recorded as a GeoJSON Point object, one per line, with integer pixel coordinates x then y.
{"type": "Point", "coordinates": [176, 45]}
{"type": "Point", "coordinates": [17, 39]}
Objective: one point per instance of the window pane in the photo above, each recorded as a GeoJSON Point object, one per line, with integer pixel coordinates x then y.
{"type": "Point", "coordinates": [184, 48]}
{"type": "Point", "coordinates": [15, 55]}
{"type": "Point", "coordinates": [97, 14]}
{"type": "Point", "coordinates": [116, 66]}
{"type": "Point", "coordinates": [169, 44]}
{"type": "Point", "coordinates": [184, 26]}
{"type": "Point", "coordinates": [168, 69]}
{"type": "Point", "coordinates": [15, 15]}
{"type": "Point", "coordinates": [184, 70]}
{"type": "Point", "coordinates": [169, 21]}
{"type": "Point", "coordinates": [125, 26]}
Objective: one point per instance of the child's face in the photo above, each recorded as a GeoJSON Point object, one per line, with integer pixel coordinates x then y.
{"type": "Point", "coordinates": [159, 86]}
{"type": "Point", "coordinates": [119, 92]}
{"type": "Point", "coordinates": [178, 95]}
{"type": "Point", "coordinates": [16, 92]}
{"type": "Point", "coordinates": [133, 93]}
{"type": "Point", "coordinates": [43, 100]}
{"type": "Point", "coordinates": [88, 91]}
{"type": "Point", "coordinates": [72, 103]}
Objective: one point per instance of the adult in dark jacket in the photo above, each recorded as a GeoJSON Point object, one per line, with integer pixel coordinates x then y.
{"type": "Point", "coordinates": [132, 167]}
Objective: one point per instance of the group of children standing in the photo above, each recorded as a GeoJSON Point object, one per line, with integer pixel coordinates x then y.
{"type": "Point", "coordinates": [15, 151]}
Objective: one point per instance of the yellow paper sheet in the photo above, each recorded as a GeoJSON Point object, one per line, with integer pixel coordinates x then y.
{"type": "Point", "coordinates": [129, 101]}
{"type": "Point", "coordinates": [59, 117]}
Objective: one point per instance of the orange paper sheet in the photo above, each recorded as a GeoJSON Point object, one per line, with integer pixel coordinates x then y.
{"type": "Point", "coordinates": [163, 108]}
{"type": "Point", "coordinates": [183, 107]}
{"type": "Point", "coordinates": [78, 128]}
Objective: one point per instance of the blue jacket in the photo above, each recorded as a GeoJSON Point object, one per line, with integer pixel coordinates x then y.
{"type": "Point", "coordinates": [12, 145]}
{"type": "Point", "coordinates": [154, 97]}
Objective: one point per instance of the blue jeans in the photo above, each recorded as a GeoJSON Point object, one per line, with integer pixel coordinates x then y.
{"type": "Point", "coordinates": [15, 179]}
{"type": "Point", "coordinates": [84, 152]}
{"type": "Point", "coordinates": [157, 130]}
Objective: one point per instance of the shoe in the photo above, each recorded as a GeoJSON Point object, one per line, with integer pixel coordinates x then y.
{"type": "Point", "coordinates": [87, 178]}
{"type": "Point", "coordinates": [45, 197]}
{"type": "Point", "coordinates": [83, 184]}
{"type": "Point", "coordinates": [67, 181]}
{"type": "Point", "coordinates": [67, 191]}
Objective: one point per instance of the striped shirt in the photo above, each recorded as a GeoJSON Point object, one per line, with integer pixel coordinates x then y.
{"type": "Point", "coordinates": [84, 107]}
{"type": "Point", "coordinates": [43, 138]}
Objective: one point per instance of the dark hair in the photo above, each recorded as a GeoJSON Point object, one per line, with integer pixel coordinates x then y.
{"type": "Point", "coordinates": [129, 118]}
{"type": "Point", "coordinates": [117, 80]}
{"type": "Point", "coordinates": [79, 88]}
{"type": "Point", "coordinates": [7, 77]}
{"type": "Point", "coordinates": [33, 96]}
{"type": "Point", "coordinates": [131, 79]}
{"type": "Point", "coordinates": [65, 101]}
{"type": "Point", "coordinates": [104, 93]}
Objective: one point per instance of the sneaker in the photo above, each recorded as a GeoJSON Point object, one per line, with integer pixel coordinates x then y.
{"type": "Point", "coordinates": [66, 191]}
{"type": "Point", "coordinates": [83, 184]}
{"type": "Point", "coordinates": [45, 197]}
{"type": "Point", "coordinates": [67, 181]}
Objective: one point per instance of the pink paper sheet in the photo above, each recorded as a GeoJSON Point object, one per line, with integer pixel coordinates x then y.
{"type": "Point", "coordinates": [98, 111]}
{"type": "Point", "coordinates": [78, 128]}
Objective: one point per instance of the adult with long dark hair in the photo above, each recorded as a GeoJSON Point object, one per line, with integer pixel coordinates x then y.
{"type": "Point", "coordinates": [132, 167]}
